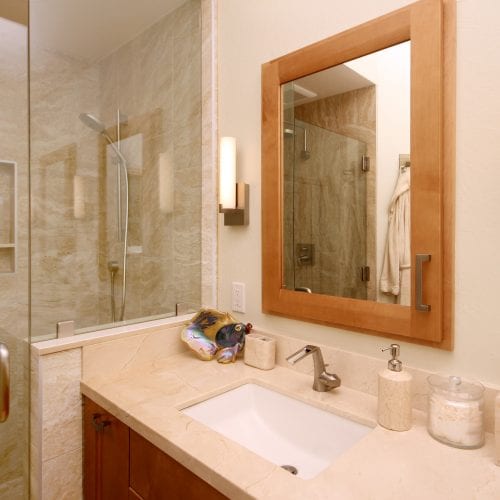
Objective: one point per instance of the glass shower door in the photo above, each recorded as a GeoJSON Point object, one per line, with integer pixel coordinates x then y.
{"type": "Point", "coordinates": [329, 212]}
{"type": "Point", "coordinates": [14, 336]}
{"type": "Point", "coordinates": [325, 207]}
{"type": "Point", "coordinates": [115, 164]}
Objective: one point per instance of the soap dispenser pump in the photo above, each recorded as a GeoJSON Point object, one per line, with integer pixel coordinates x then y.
{"type": "Point", "coordinates": [394, 394]}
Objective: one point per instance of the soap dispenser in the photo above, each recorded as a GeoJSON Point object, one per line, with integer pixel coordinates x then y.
{"type": "Point", "coordinates": [394, 394]}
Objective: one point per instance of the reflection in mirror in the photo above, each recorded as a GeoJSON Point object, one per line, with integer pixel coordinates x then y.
{"type": "Point", "coordinates": [346, 198]}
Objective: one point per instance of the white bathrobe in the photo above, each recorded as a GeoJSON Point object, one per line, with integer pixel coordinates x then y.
{"type": "Point", "coordinates": [396, 268]}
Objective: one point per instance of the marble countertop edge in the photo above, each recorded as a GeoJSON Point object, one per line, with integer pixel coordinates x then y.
{"type": "Point", "coordinates": [149, 403]}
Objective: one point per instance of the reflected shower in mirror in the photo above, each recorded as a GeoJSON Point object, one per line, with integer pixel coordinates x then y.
{"type": "Point", "coordinates": [346, 173]}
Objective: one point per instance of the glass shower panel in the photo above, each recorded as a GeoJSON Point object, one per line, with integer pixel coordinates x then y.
{"type": "Point", "coordinates": [14, 225]}
{"type": "Point", "coordinates": [115, 163]}
{"type": "Point", "coordinates": [329, 212]}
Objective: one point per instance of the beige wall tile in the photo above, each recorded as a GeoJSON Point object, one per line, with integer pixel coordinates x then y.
{"type": "Point", "coordinates": [62, 477]}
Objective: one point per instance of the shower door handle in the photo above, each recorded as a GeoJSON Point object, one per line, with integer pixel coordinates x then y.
{"type": "Point", "coordinates": [4, 383]}
{"type": "Point", "coordinates": [419, 305]}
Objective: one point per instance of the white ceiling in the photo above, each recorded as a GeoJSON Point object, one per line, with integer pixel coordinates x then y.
{"type": "Point", "coordinates": [330, 82]}
{"type": "Point", "coordinates": [92, 29]}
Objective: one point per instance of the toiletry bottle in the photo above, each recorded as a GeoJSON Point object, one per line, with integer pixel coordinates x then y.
{"type": "Point", "coordinates": [394, 394]}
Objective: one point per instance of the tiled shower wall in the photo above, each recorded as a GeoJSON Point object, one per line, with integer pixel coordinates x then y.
{"type": "Point", "coordinates": [155, 81]}
{"type": "Point", "coordinates": [14, 283]}
{"type": "Point", "coordinates": [64, 246]}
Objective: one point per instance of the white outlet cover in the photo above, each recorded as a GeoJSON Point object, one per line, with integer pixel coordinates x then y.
{"type": "Point", "coordinates": [238, 297]}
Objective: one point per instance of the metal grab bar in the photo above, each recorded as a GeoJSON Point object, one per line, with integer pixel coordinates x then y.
{"type": "Point", "coordinates": [4, 383]}
{"type": "Point", "coordinates": [419, 305]}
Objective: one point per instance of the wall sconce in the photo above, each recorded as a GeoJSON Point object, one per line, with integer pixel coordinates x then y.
{"type": "Point", "coordinates": [234, 196]}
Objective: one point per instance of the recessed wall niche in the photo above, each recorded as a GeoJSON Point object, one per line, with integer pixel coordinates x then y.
{"type": "Point", "coordinates": [7, 217]}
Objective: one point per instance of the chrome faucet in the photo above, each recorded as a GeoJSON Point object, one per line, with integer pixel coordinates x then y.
{"type": "Point", "coordinates": [323, 381]}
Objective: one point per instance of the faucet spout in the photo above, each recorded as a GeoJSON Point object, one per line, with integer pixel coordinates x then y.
{"type": "Point", "coordinates": [323, 380]}
{"type": "Point", "coordinates": [300, 354]}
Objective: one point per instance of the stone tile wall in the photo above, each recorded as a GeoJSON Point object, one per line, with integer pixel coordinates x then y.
{"type": "Point", "coordinates": [14, 285]}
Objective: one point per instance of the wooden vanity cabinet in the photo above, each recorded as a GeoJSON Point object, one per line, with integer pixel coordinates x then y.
{"type": "Point", "coordinates": [121, 464]}
{"type": "Point", "coordinates": [106, 454]}
{"type": "Point", "coordinates": [156, 475]}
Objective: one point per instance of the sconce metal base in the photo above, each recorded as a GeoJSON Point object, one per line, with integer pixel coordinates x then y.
{"type": "Point", "coordinates": [238, 216]}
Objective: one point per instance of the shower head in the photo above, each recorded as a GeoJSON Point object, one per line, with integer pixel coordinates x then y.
{"type": "Point", "coordinates": [95, 124]}
{"type": "Point", "coordinates": [92, 122]}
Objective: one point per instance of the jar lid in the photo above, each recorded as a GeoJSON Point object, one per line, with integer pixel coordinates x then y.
{"type": "Point", "coordinates": [456, 388]}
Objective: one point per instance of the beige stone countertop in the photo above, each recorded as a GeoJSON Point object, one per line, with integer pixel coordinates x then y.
{"type": "Point", "coordinates": [382, 465]}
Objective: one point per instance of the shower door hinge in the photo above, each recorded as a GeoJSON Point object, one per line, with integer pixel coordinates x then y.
{"type": "Point", "coordinates": [65, 329]}
{"type": "Point", "coordinates": [365, 273]}
{"type": "Point", "coordinates": [365, 163]}
{"type": "Point", "coordinates": [182, 308]}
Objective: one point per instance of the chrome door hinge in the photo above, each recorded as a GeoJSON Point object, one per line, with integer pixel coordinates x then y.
{"type": "Point", "coordinates": [365, 273]}
{"type": "Point", "coordinates": [365, 163]}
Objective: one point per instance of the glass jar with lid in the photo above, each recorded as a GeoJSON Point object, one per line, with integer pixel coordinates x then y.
{"type": "Point", "coordinates": [455, 413]}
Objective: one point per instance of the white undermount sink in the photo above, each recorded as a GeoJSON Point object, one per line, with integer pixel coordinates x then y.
{"type": "Point", "coordinates": [279, 428]}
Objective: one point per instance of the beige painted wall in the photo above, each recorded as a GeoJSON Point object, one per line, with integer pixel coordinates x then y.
{"type": "Point", "coordinates": [251, 33]}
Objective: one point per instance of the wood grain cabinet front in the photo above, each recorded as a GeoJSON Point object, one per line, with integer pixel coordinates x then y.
{"type": "Point", "coordinates": [106, 454]}
{"type": "Point", "coordinates": [121, 464]}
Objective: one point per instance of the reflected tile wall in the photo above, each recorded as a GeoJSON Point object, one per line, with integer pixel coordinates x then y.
{"type": "Point", "coordinates": [353, 114]}
{"type": "Point", "coordinates": [329, 212]}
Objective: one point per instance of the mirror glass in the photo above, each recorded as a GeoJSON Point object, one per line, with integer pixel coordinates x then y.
{"type": "Point", "coordinates": [346, 179]}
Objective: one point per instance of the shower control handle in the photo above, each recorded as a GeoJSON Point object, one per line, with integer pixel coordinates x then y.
{"type": "Point", "coordinates": [4, 383]}
{"type": "Point", "coordinates": [419, 305]}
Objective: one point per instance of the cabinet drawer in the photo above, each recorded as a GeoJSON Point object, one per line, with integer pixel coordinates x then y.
{"type": "Point", "coordinates": [155, 475]}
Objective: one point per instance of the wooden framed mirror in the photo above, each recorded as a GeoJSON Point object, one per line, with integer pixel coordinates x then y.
{"type": "Point", "coordinates": [314, 162]}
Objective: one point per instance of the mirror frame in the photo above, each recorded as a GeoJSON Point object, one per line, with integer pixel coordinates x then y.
{"type": "Point", "coordinates": [430, 26]}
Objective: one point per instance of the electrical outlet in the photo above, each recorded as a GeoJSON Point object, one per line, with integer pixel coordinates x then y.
{"type": "Point", "coordinates": [238, 297]}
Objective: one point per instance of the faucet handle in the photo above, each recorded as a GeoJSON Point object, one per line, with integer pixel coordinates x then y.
{"type": "Point", "coordinates": [300, 354]}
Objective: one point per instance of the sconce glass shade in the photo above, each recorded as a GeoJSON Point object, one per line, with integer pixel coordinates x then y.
{"type": "Point", "coordinates": [227, 172]}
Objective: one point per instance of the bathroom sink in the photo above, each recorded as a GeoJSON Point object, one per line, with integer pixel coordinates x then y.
{"type": "Point", "coordinates": [280, 429]}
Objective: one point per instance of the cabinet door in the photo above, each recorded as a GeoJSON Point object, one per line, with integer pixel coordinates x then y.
{"type": "Point", "coordinates": [106, 454]}
{"type": "Point", "coordinates": [156, 476]}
